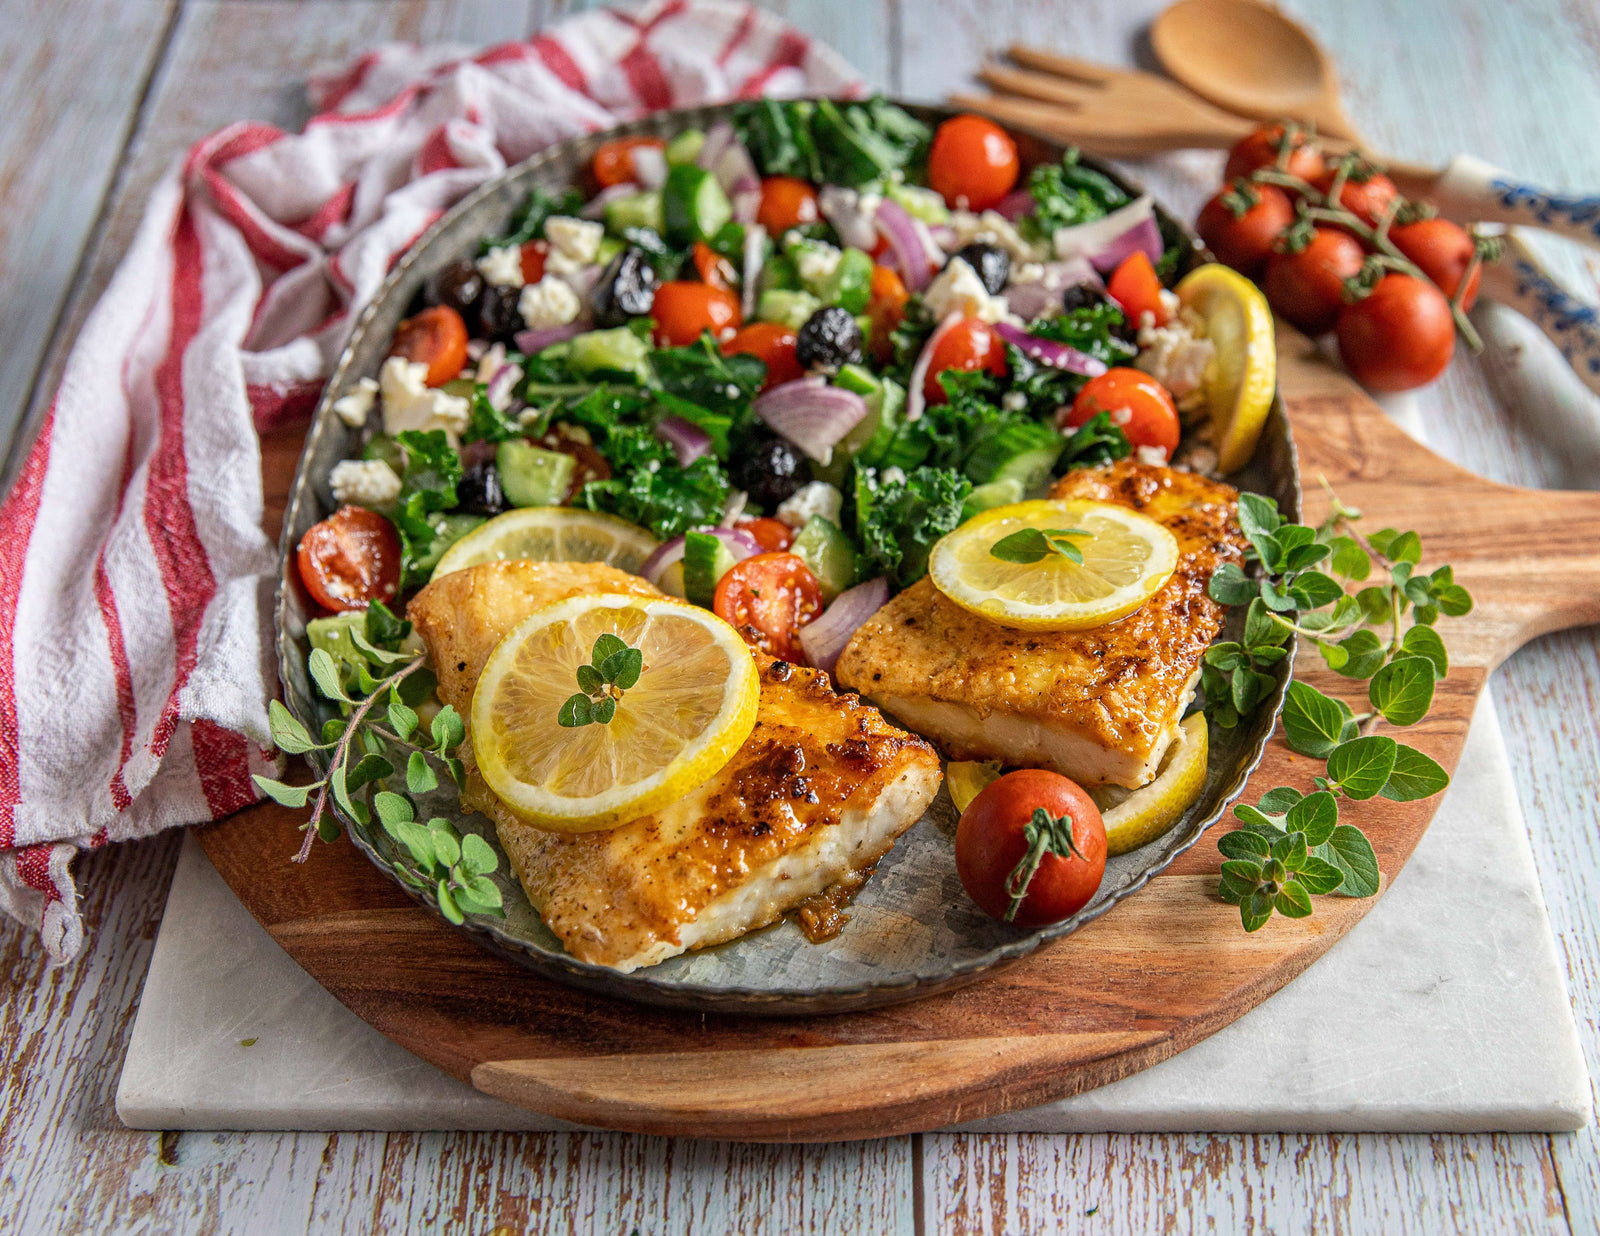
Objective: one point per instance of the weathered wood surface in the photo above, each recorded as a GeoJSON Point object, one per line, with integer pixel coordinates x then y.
{"type": "Point", "coordinates": [1514, 82]}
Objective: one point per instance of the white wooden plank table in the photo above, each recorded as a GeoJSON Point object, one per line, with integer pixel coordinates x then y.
{"type": "Point", "coordinates": [100, 94]}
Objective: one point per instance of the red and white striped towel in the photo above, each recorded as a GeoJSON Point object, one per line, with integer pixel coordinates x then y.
{"type": "Point", "coordinates": [135, 580]}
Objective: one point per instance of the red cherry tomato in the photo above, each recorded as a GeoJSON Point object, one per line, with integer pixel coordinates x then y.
{"type": "Point", "coordinates": [993, 843]}
{"type": "Point", "coordinates": [785, 203]}
{"type": "Point", "coordinates": [1261, 149]}
{"type": "Point", "coordinates": [975, 159]}
{"type": "Point", "coordinates": [886, 305]}
{"type": "Point", "coordinates": [1367, 199]}
{"type": "Point", "coordinates": [435, 337]}
{"type": "Point", "coordinates": [534, 253]}
{"type": "Point", "coordinates": [1307, 287]}
{"type": "Point", "coordinates": [767, 599]}
{"type": "Point", "coordinates": [773, 535]}
{"type": "Point", "coordinates": [712, 267]}
{"type": "Point", "coordinates": [1137, 288]}
{"type": "Point", "coordinates": [1137, 404]}
{"type": "Point", "coordinates": [683, 309]}
{"type": "Point", "coordinates": [773, 344]}
{"type": "Point", "coordinates": [613, 162]}
{"type": "Point", "coordinates": [969, 344]}
{"type": "Point", "coordinates": [349, 559]}
{"type": "Point", "coordinates": [1240, 223]}
{"type": "Point", "coordinates": [1442, 250]}
{"type": "Point", "coordinates": [1399, 336]}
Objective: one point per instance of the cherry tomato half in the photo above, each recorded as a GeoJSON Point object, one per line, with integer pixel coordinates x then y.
{"type": "Point", "coordinates": [1367, 199]}
{"type": "Point", "coordinates": [533, 255]}
{"type": "Point", "coordinates": [969, 344]}
{"type": "Point", "coordinates": [886, 305]}
{"type": "Point", "coordinates": [785, 203]}
{"type": "Point", "coordinates": [1240, 223]}
{"type": "Point", "coordinates": [683, 309]}
{"type": "Point", "coordinates": [993, 842]}
{"type": "Point", "coordinates": [435, 337]}
{"type": "Point", "coordinates": [1307, 287]}
{"type": "Point", "coordinates": [973, 158]}
{"type": "Point", "coordinates": [773, 344]}
{"type": "Point", "coordinates": [1261, 148]}
{"type": "Point", "coordinates": [1138, 405]}
{"type": "Point", "coordinates": [349, 559]}
{"type": "Point", "coordinates": [1399, 336]}
{"type": "Point", "coordinates": [773, 535]}
{"type": "Point", "coordinates": [712, 267]}
{"type": "Point", "coordinates": [1442, 250]}
{"type": "Point", "coordinates": [767, 599]}
{"type": "Point", "coordinates": [1137, 288]}
{"type": "Point", "coordinates": [613, 162]}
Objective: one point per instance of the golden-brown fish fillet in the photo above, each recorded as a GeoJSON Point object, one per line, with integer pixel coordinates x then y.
{"type": "Point", "coordinates": [1100, 706]}
{"type": "Point", "coordinates": [815, 797]}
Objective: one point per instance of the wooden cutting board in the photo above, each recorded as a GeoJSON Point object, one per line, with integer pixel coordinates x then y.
{"type": "Point", "coordinates": [1160, 972]}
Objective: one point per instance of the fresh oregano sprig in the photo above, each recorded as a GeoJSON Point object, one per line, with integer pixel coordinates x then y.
{"type": "Point", "coordinates": [613, 668]}
{"type": "Point", "coordinates": [454, 866]}
{"type": "Point", "coordinates": [1031, 545]}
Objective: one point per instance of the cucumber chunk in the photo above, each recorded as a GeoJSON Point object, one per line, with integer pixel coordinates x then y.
{"type": "Point", "coordinates": [447, 530]}
{"type": "Point", "coordinates": [685, 148]}
{"type": "Point", "coordinates": [987, 497]}
{"type": "Point", "coordinates": [850, 285]}
{"type": "Point", "coordinates": [1025, 452]}
{"type": "Point", "coordinates": [382, 446]}
{"type": "Point", "coordinates": [531, 475]}
{"type": "Point", "coordinates": [637, 210]}
{"type": "Point", "coordinates": [693, 205]}
{"type": "Point", "coordinates": [823, 546]}
{"type": "Point", "coordinates": [618, 351]}
{"type": "Point", "coordinates": [705, 560]}
{"type": "Point", "coordinates": [790, 308]}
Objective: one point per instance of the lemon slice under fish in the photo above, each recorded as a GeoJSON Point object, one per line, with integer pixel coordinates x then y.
{"type": "Point", "coordinates": [551, 534]}
{"type": "Point", "coordinates": [1137, 817]}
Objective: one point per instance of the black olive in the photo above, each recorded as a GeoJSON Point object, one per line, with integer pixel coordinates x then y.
{"type": "Point", "coordinates": [991, 263]}
{"type": "Point", "coordinates": [478, 491]}
{"type": "Point", "coordinates": [460, 286]}
{"type": "Point", "coordinates": [1086, 295]}
{"type": "Point", "coordinates": [500, 313]}
{"type": "Point", "coordinates": [627, 288]}
{"type": "Point", "coordinates": [769, 469]}
{"type": "Point", "coordinates": [831, 337]}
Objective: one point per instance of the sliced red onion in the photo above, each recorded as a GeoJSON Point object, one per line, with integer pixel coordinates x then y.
{"type": "Point", "coordinates": [1050, 352]}
{"type": "Point", "coordinates": [1015, 204]}
{"type": "Point", "coordinates": [501, 386]}
{"type": "Point", "coordinates": [650, 166]}
{"type": "Point", "coordinates": [842, 208]}
{"type": "Point", "coordinates": [916, 401]}
{"type": "Point", "coordinates": [739, 543]}
{"type": "Point", "coordinates": [911, 246]}
{"type": "Point", "coordinates": [1143, 237]}
{"type": "Point", "coordinates": [583, 279]}
{"type": "Point", "coordinates": [733, 508]}
{"type": "Point", "coordinates": [944, 236]}
{"type": "Point", "coordinates": [1032, 300]}
{"type": "Point", "coordinates": [1096, 238]}
{"type": "Point", "coordinates": [811, 414]}
{"type": "Point", "coordinates": [824, 639]}
{"type": "Point", "coordinates": [476, 348]}
{"type": "Point", "coordinates": [755, 256]}
{"type": "Point", "coordinates": [746, 197]}
{"type": "Point", "coordinates": [595, 207]}
{"type": "Point", "coordinates": [687, 440]}
{"type": "Point", "coordinates": [532, 341]}
{"type": "Point", "coordinates": [718, 137]}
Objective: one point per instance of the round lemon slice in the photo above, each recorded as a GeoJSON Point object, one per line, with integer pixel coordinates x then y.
{"type": "Point", "coordinates": [1137, 817]}
{"type": "Point", "coordinates": [1127, 557]}
{"type": "Point", "coordinates": [966, 778]}
{"type": "Point", "coordinates": [551, 534]}
{"type": "Point", "coordinates": [690, 710]}
{"type": "Point", "coordinates": [1240, 382]}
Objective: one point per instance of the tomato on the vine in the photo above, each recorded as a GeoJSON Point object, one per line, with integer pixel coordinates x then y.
{"type": "Point", "coordinates": [1260, 149]}
{"type": "Point", "coordinates": [682, 309]}
{"type": "Point", "coordinates": [773, 344]}
{"type": "Point", "coordinates": [1137, 404]}
{"type": "Point", "coordinates": [350, 559]}
{"type": "Point", "coordinates": [1367, 199]}
{"type": "Point", "coordinates": [1240, 223]}
{"type": "Point", "coordinates": [773, 535]}
{"type": "Point", "coordinates": [613, 162]}
{"type": "Point", "coordinates": [1136, 287]}
{"type": "Point", "coordinates": [1307, 287]}
{"type": "Point", "coordinates": [437, 338]}
{"type": "Point", "coordinates": [968, 345]}
{"type": "Point", "coordinates": [973, 158]}
{"type": "Point", "coordinates": [786, 202]}
{"type": "Point", "coordinates": [1031, 848]}
{"type": "Point", "coordinates": [767, 599]}
{"type": "Point", "coordinates": [1442, 250]}
{"type": "Point", "coordinates": [1399, 335]}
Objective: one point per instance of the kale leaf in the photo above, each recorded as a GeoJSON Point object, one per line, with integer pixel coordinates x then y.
{"type": "Point", "coordinates": [1068, 193]}
{"type": "Point", "coordinates": [428, 485]}
{"type": "Point", "coordinates": [701, 374]}
{"type": "Point", "coordinates": [666, 499]}
{"type": "Point", "coordinates": [1097, 441]}
{"type": "Point", "coordinates": [832, 142]}
{"type": "Point", "coordinates": [897, 521]}
{"type": "Point", "coordinates": [528, 223]}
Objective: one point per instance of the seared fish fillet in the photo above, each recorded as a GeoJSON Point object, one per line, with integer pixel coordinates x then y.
{"type": "Point", "coordinates": [815, 797]}
{"type": "Point", "coordinates": [1100, 706]}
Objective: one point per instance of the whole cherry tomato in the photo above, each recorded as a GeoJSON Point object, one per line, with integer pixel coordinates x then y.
{"type": "Point", "coordinates": [786, 202]}
{"type": "Point", "coordinates": [1260, 149]}
{"type": "Point", "coordinates": [1136, 287]}
{"type": "Point", "coordinates": [712, 267]}
{"type": "Point", "coordinates": [1240, 223]}
{"type": "Point", "coordinates": [1307, 287]}
{"type": "Point", "coordinates": [533, 255]}
{"type": "Point", "coordinates": [683, 309]}
{"type": "Point", "coordinates": [1443, 251]}
{"type": "Point", "coordinates": [969, 344]}
{"type": "Point", "coordinates": [1368, 199]}
{"type": "Point", "coordinates": [1399, 336]}
{"type": "Point", "coordinates": [886, 305]}
{"type": "Point", "coordinates": [435, 337]}
{"type": "Point", "coordinates": [1031, 848]}
{"type": "Point", "coordinates": [773, 344]}
{"type": "Point", "coordinates": [613, 162]}
{"type": "Point", "coordinates": [773, 535]}
{"type": "Point", "coordinates": [767, 599]}
{"type": "Point", "coordinates": [1137, 404]}
{"type": "Point", "coordinates": [973, 158]}
{"type": "Point", "coordinates": [349, 559]}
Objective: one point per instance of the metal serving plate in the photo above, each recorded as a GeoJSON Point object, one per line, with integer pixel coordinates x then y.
{"type": "Point", "coordinates": [912, 931]}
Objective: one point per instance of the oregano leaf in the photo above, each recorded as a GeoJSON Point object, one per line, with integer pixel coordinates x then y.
{"type": "Point", "coordinates": [1361, 767]}
{"type": "Point", "coordinates": [420, 777]}
{"type": "Point", "coordinates": [287, 732]}
{"type": "Point", "coordinates": [1414, 776]}
{"type": "Point", "coordinates": [477, 855]}
{"type": "Point", "coordinates": [288, 795]}
{"type": "Point", "coordinates": [1349, 850]}
{"type": "Point", "coordinates": [1403, 690]}
{"type": "Point", "coordinates": [1312, 721]}
{"type": "Point", "coordinates": [326, 675]}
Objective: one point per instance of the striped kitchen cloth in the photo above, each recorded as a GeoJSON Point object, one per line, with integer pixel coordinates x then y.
{"type": "Point", "coordinates": [135, 580]}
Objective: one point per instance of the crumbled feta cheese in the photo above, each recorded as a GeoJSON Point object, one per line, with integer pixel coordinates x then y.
{"type": "Point", "coordinates": [491, 362]}
{"type": "Point", "coordinates": [1155, 456]}
{"type": "Point", "coordinates": [353, 408]}
{"type": "Point", "coordinates": [410, 403]}
{"type": "Point", "coordinates": [578, 239]}
{"type": "Point", "coordinates": [851, 214]}
{"type": "Point", "coordinates": [959, 290]}
{"type": "Point", "coordinates": [1027, 272]}
{"type": "Point", "coordinates": [993, 228]}
{"type": "Point", "coordinates": [502, 266]}
{"type": "Point", "coordinates": [816, 261]}
{"type": "Point", "coordinates": [1122, 416]}
{"type": "Point", "coordinates": [1170, 302]}
{"type": "Point", "coordinates": [1013, 401]}
{"type": "Point", "coordinates": [550, 302]}
{"type": "Point", "coordinates": [364, 482]}
{"type": "Point", "coordinates": [817, 498]}
{"type": "Point", "coordinates": [893, 476]}
{"type": "Point", "coordinates": [1174, 355]}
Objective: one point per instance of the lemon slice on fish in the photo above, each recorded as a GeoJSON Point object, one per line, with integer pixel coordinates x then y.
{"type": "Point", "coordinates": [1124, 559]}
{"type": "Point", "coordinates": [667, 731]}
{"type": "Point", "coordinates": [551, 534]}
{"type": "Point", "coordinates": [1137, 817]}
{"type": "Point", "coordinates": [1240, 382]}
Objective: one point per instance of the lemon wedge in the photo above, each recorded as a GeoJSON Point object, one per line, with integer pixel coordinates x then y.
{"type": "Point", "coordinates": [1239, 384]}
{"type": "Point", "coordinates": [1127, 557]}
{"type": "Point", "coordinates": [1137, 817]}
{"type": "Point", "coordinates": [966, 778]}
{"type": "Point", "coordinates": [551, 534]}
{"type": "Point", "coordinates": [689, 712]}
